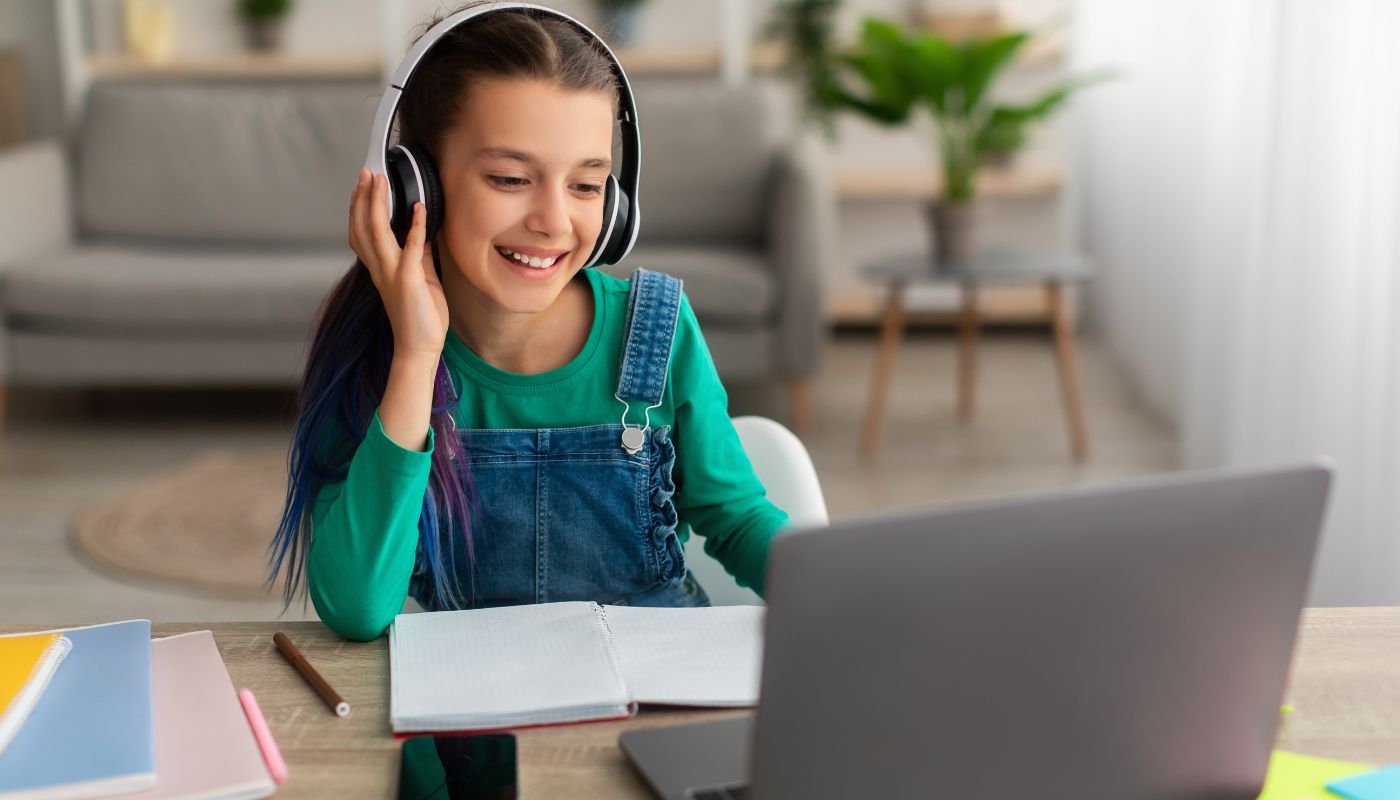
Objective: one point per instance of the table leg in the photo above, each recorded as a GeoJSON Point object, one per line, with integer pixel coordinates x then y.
{"type": "Point", "coordinates": [891, 330]}
{"type": "Point", "coordinates": [968, 326]}
{"type": "Point", "coordinates": [1069, 371]}
{"type": "Point", "coordinates": [800, 403]}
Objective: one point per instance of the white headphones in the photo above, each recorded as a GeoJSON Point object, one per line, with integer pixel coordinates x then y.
{"type": "Point", "coordinates": [413, 175]}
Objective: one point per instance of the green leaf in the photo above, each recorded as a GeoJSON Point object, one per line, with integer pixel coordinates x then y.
{"type": "Point", "coordinates": [878, 64]}
{"type": "Point", "coordinates": [881, 35]}
{"type": "Point", "coordinates": [1005, 129]}
{"type": "Point", "coordinates": [982, 60]}
{"type": "Point", "coordinates": [886, 88]}
{"type": "Point", "coordinates": [1004, 132]}
{"type": "Point", "coordinates": [932, 66]}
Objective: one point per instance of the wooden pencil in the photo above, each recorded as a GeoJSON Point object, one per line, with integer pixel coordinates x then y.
{"type": "Point", "coordinates": [324, 689]}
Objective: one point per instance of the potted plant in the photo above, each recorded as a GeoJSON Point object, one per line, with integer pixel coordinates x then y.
{"type": "Point", "coordinates": [263, 22]}
{"type": "Point", "coordinates": [620, 20]}
{"type": "Point", "coordinates": [805, 27]}
{"type": "Point", "coordinates": [894, 75]}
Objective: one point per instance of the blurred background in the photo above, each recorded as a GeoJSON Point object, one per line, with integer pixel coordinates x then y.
{"type": "Point", "coordinates": [965, 248]}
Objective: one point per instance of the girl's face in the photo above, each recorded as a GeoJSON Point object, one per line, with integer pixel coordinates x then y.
{"type": "Point", "coordinates": [524, 172]}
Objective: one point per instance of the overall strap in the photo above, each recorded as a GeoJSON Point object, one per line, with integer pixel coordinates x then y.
{"type": "Point", "coordinates": [652, 309]}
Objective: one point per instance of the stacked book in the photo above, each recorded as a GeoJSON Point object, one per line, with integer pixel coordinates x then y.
{"type": "Point", "coordinates": [103, 710]}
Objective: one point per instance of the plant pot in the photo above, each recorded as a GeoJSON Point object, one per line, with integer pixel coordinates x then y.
{"type": "Point", "coordinates": [954, 233]}
{"type": "Point", "coordinates": [620, 26]}
{"type": "Point", "coordinates": [263, 35]}
{"type": "Point", "coordinates": [1002, 160]}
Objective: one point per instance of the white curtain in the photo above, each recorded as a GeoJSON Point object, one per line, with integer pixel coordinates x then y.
{"type": "Point", "coordinates": [1241, 197]}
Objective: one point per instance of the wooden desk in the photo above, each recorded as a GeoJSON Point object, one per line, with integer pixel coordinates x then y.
{"type": "Point", "coordinates": [1345, 690]}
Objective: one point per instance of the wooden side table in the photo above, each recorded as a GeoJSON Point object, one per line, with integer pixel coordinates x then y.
{"type": "Point", "coordinates": [1004, 267]}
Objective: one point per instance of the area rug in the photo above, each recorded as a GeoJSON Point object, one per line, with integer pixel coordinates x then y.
{"type": "Point", "coordinates": [204, 526]}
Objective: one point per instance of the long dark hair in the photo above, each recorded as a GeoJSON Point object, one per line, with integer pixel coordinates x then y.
{"type": "Point", "coordinates": [347, 365]}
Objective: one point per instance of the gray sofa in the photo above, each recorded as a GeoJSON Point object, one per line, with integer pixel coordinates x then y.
{"type": "Point", "coordinates": [190, 233]}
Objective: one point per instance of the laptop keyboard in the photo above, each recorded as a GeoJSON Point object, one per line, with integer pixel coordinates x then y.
{"type": "Point", "coordinates": [738, 791]}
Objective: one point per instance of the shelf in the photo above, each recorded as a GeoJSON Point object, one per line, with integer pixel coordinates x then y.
{"type": "Point", "coordinates": [238, 66]}
{"type": "Point", "coordinates": [650, 61]}
{"type": "Point", "coordinates": [895, 183]}
{"type": "Point", "coordinates": [692, 61]}
{"type": "Point", "coordinates": [1041, 50]}
{"type": "Point", "coordinates": [637, 61]}
{"type": "Point", "coordinates": [1042, 53]}
{"type": "Point", "coordinates": [764, 58]}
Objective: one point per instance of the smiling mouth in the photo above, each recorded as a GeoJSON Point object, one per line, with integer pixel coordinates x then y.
{"type": "Point", "coordinates": [532, 263]}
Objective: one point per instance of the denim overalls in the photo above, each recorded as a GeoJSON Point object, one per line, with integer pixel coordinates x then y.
{"type": "Point", "coordinates": [583, 513]}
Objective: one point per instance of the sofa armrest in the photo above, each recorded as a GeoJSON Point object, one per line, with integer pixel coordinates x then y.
{"type": "Point", "coordinates": [802, 245]}
{"type": "Point", "coordinates": [35, 213]}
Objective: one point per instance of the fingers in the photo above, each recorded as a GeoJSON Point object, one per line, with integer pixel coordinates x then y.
{"type": "Point", "coordinates": [426, 262]}
{"type": "Point", "coordinates": [382, 239]}
{"type": "Point", "coordinates": [371, 236]}
{"type": "Point", "coordinates": [358, 211]}
{"type": "Point", "coordinates": [417, 231]}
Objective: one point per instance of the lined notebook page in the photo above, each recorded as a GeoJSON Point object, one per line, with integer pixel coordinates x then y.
{"type": "Point", "coordinates": [690, 656]}
{"type": "Point", "coordinates": [503, 667]}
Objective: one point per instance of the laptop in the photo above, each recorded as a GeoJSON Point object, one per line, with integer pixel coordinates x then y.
{"type": "Point", "coordinates": [1130, 641]}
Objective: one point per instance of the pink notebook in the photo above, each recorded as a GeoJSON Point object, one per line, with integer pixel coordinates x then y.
{"type": "Point", "coordinates": [204, 745]}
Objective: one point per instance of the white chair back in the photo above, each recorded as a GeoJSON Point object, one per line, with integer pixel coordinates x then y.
{"type": "Point", "coordinates": [782, 465]}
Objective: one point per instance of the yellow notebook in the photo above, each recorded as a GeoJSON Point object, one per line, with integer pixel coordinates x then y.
{"type": "Point", "coordinates": [27, 662]}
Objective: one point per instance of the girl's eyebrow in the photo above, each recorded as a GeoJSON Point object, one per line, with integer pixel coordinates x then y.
{"type": "Point", "coordinates": [520, 155]}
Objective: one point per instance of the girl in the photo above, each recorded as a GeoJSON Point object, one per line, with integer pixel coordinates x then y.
{"type": "Point", "coordinates": [458, 436]}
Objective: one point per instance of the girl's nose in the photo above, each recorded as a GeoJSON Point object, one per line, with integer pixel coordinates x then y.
{"type": "Point", "coordinates": [549, 215]}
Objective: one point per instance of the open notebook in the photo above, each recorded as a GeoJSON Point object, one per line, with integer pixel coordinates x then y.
{"type": "Point", "coordinates": [567, 662]}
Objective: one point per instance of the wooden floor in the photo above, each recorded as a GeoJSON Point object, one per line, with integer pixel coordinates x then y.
{"type": "Point", "coordinates": [61, 450]}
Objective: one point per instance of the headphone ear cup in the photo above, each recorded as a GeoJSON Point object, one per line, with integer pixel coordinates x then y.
{"type": "Point", "coordinates": [613, 237]}
{"type": "Point", "coordinates": [413, 178]}
{"type": "Point", "coordinates": [621, 238]}
{"type": "Point", "coordinates": [432, 187]}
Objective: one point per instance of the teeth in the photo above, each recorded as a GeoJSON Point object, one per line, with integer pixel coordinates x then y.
{"type": "Point", "coordinates": [538, 263]}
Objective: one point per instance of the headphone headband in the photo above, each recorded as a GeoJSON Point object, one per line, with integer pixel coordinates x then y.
{"type": "Point", "coordinates": [626, 114]}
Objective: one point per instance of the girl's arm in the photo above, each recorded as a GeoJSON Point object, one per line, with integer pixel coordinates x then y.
{"type": "Point", "coordinates": [717, 492]}
{"type": "Point", "coordinates": [365, 536]}
{"type": "Point", "coordinates": [365, 528]}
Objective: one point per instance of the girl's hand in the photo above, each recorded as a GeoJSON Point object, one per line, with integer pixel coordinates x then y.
{"type": "Point", "coordinates": [405, 277]}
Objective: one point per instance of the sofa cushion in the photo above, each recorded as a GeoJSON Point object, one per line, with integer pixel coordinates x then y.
{"type": "Point", "coordinates": [275, 162]}
{"type": "Point", "coordinates": [185, 291]}
{"type": "Point", "coordinates": [222, 161]}
{"type": "Point", "coordinates": [708, 156]}
{"type": "Point", "coordinates": [726, 286]}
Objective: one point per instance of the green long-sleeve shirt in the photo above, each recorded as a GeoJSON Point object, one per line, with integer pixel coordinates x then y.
{"type": "Point", "coordinates": [365, 528]}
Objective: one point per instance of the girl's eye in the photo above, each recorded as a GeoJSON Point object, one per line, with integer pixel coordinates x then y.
{"type": "Point", "coordinates": [513, 182]}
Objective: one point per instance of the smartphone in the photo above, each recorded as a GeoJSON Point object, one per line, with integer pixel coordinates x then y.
{"type": "Point", "coordinates": [458, 767]}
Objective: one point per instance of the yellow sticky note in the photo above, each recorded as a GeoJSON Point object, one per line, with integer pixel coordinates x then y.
{"type": "Point", "coordinates": [1298, 777]}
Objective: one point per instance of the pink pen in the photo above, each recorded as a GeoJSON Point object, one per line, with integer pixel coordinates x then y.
{"type": "Point", "coordinates": [270, 753]}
